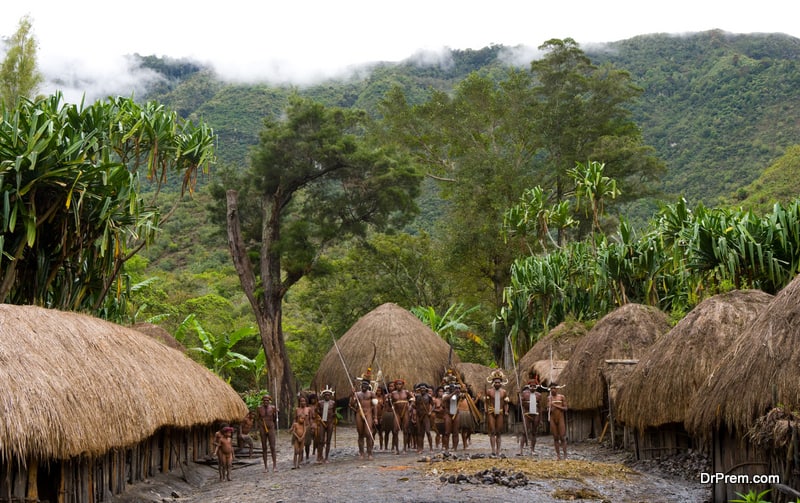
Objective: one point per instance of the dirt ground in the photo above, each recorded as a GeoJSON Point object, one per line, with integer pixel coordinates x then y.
{"type": "Point", "coordinates": [592, 473]}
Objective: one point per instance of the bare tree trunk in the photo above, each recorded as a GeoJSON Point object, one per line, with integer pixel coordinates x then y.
{"type": "Point", "coordinates": [267, 307]}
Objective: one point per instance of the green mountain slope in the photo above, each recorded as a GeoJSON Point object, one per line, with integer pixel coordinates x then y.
{"type": "Point", "coordinates": [717, 107]}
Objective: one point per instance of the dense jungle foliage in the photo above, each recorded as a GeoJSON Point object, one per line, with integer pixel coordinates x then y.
{"type": "Point", "coordinates": [720, 110]}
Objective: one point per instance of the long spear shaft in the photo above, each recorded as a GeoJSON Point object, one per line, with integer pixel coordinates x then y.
{"type": "Point", "coordinates": [519, 391]}
{"type": "Point", "coordinates": [360, 408]}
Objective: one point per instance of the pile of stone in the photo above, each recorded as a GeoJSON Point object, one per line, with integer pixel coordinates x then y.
{"type": "Point", "coordinates": [490, 476]}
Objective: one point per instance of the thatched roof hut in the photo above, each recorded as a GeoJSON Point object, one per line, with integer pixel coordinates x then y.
{"type": "Point", "coordinates": [160, 334]}
{"type": "Point", "coordinates": [626, 332]}
{"type": "Point", "coordinates": [558, 344]}
{"type": "Point", "coordinates": [390, 339]}
{"type": "Point", "coordinates": [76, 385]}
{"type": "Point", "coordinates": [760, 371]}
{"type": "Point", "coordinates": [549, 371]}
{"type": "Point", "coordinates": [474, 375]}
{"type": "Point", "coordinates": [678, 364]}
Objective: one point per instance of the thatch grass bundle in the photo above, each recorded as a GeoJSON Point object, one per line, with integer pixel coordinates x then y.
{"type": "Point", "coordinates": [390, 339]}
{"type": "Point", "coordinates": [678, 364]}
{"type": "Point", "coordinates": [72, 384]}
{"type": "Point", "coordinates": [759, 372]}
{"type": "Point", "coordinates": [625, 333]}
{"type": "Point", "coordinates": [775, 429]}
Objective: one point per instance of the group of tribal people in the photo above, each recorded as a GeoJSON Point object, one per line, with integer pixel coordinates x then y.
{"type": "Point", "coordinates": [386, 410]}
{"type": "Point", "coordinates": [449, 412]}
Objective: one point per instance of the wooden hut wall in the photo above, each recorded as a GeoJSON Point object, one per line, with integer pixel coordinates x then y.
{"type": "Point", "coordinates": [584, 424]}
{"type": "Point", "coordinates": [732, 455]}
{"type": "Point", "coordinates": [99, 478]}
{"type": "Point", "coordinates": [666, 440]}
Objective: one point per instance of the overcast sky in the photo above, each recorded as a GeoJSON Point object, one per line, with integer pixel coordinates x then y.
{"type": "Point", "coordinates": [301, 40]}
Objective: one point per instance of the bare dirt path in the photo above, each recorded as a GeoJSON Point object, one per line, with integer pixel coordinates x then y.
{"type": "Point", "coordinates": [593, 473]}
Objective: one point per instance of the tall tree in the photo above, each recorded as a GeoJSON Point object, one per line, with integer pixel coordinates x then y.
{"type": "Point", "coordinates": [582, 115]}
{"type": "Point", "coordinates": [315, 180]}
{"type": "Point", "coordinates": [19, 77]}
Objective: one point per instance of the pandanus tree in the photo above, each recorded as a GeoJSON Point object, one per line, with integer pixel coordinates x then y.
{"type": "Point", "coordinates": [71, 205]}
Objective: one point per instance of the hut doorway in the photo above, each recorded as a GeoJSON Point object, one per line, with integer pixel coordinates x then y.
{"type": "Point", "coordinates": [48, 481]}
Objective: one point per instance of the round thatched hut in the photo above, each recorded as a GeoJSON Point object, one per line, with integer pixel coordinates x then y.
{"type": "Point", "coordinates": [549, 371]}
{"type": "Point", "coordinates": [623, 335]}
{"type": "Point", "coordinates": [760, 372]}
{"type": "Point", "coordinates": [391, 340]}
{"type": "Point", "coordinates": [558, 344]}
{"type": "Point", "coordinates": [474, 376]}
{"type": "Point", "coordinates": [677, 365]}
{"type": "Point", "coordinates": [91, 406]}
{"type": "Point", "coordinates": [160, 334]}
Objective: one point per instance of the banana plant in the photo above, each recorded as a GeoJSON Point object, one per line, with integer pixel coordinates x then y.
{"type": "Point", "coordinates": [216, 351]}
{"type": "Point", "coordinates": [449, 326]}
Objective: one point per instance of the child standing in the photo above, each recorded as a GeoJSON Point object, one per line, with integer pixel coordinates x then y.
{"type": "Point", "coordinates": [298, 431]}
{"type": "Point", "coordinates": [224, 453]}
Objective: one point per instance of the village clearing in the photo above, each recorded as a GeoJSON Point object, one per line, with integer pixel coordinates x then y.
{"type": "Point", "coordinates": [594, 473]}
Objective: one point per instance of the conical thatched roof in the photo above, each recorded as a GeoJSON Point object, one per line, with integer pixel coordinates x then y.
{"type": "Point", "coordinates": [679, 363]}
{"type": "Point", "coordinates": [760, 371]}
{"type": "Point", "coordinates": [475, 375]}
{"type": "Point", "coordinates": [549, 371]}
{"type": "Point", "coordinates": [558, 344]}
{"type": "Point", "coordinates": [160, 334]}
{"type": "Point", "coordinates": [625, 333]}
{"type": "Point", "coordinates": [73, 384]}
{"type": "Point", "coordinates": [391, 339]}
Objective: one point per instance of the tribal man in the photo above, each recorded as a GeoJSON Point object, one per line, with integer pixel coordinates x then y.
{"type": "Point", "coordinates": [529, 403]}
{"type": "Point", "coordinates": [439, 414]}
{"type": "Point", "coordinates": [557, 407]}
{"type": "Point", "coordinates": [423, 403]}
{"type": "Point", "coordinates": [496, 408]}
{"type": "Point", "coordinates": [401, 398]}
{"type": "Point", "coordinates": [326, 424]}
{"type": "Point", "coordinates": [364, 403]}
{"type": "Point", "coordinates": [267, 417]}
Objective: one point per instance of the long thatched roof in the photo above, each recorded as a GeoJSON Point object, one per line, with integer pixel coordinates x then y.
{"type": "Point", "coordinates": [392, 340]}
{"type": "Point", "coordinates": [759, 372]}
{"type": "Point", "coordinates": [558, 344]}
{"type": "Point", "coordinates": [679, 363]}
{"type": "Point", "coordinates": [72, 384]}
{"type": "Point", "coordinates": [625, 333]}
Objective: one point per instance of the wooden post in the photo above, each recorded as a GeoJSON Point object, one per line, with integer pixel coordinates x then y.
{"type": "Point", "coordinates": [32, 494]}
{"type": "Point", "coordinates": [166, 450]}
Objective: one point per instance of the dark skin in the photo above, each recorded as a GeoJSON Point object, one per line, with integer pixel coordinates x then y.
{"type": "Point", "coordinates": [366, 418]}
{"type": "Point", "coordinates": [326, 424]}
{"type": "Point", "coordinates": [495, 420]}
{"type": "Point", "coordinates": [400, 398]}
{"type": "Point", "coordinates": [266, 416]}
{"type": "Point", "coordinates": [557, 404]}
{"type": "Point", "coordinates": [424, 406]}
{"type": "Point", "coordinates": [243, 437]}
{"type": "Point", "coordinates": [531, 421]}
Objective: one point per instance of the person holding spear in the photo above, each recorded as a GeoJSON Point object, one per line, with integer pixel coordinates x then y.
{"type": "Point", "coordinates": [365, 402]}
